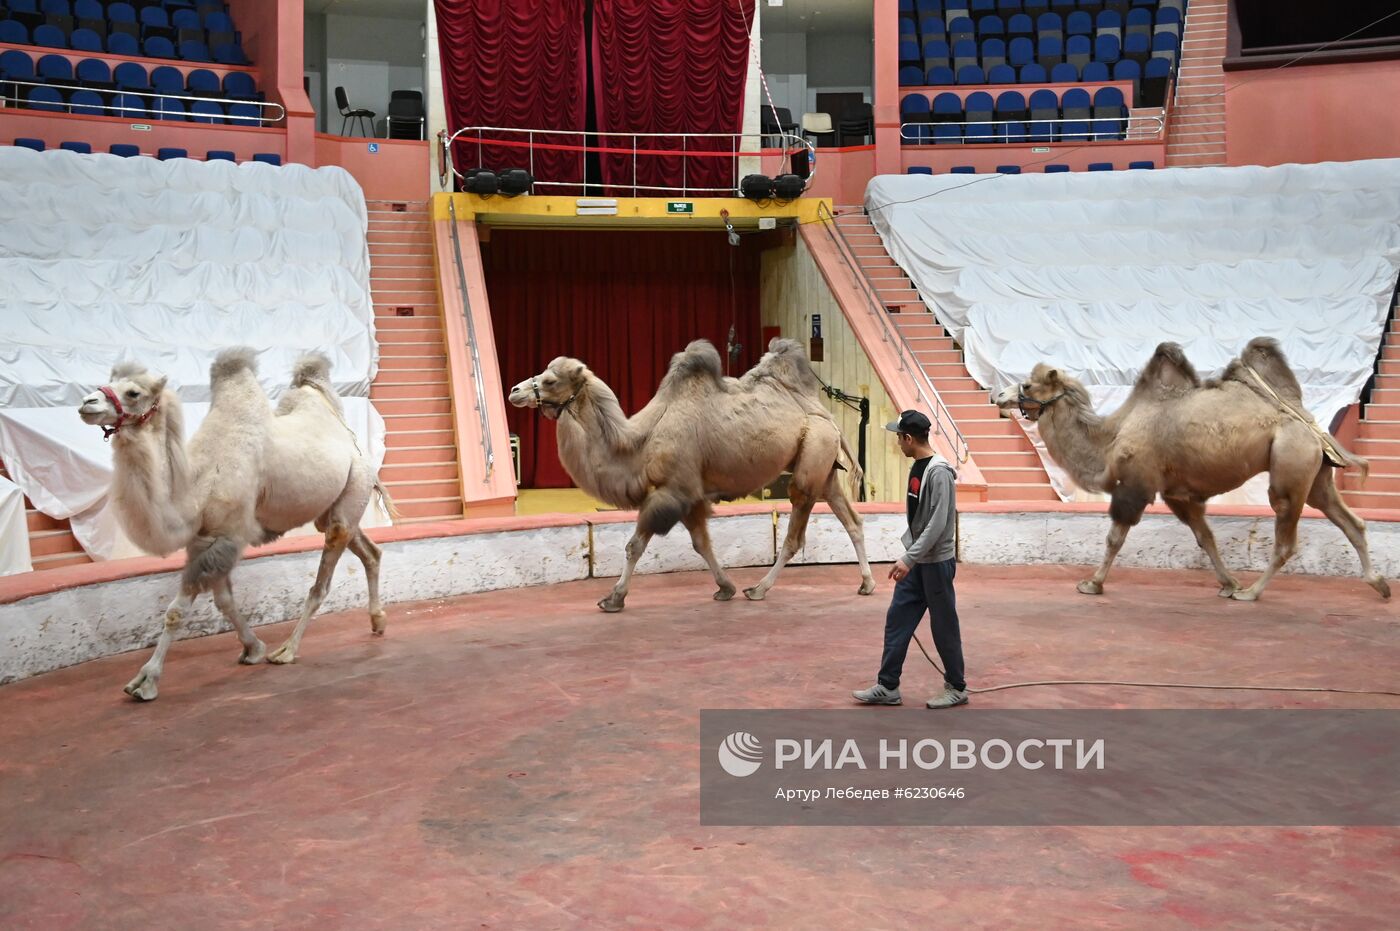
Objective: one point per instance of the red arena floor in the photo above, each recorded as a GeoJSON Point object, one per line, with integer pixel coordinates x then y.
{"type": "Point", "coordinates": [518, 759]}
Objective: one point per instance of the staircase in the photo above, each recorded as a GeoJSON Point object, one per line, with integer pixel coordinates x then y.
{"type": "Point", "coordinates": [412, 390]}
{"type": "Point", "coordinates": [999, 446]}
{"type": "Point", "coordinates": [51, 541]}
{"type": "Point", "coordinates": [1196, 132]}
{"type": "Point", "coordinates": [1379, 436]}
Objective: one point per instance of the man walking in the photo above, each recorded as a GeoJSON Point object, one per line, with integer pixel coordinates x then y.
{"type": "Point", "coordinates": [924, 574]}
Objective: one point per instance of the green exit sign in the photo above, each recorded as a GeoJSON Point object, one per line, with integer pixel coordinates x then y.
{"type": "Point", "coordinates": [680, 206]}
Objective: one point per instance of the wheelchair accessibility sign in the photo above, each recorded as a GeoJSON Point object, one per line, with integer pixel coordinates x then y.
{"type": "Point", "coordinates": [374, 148]}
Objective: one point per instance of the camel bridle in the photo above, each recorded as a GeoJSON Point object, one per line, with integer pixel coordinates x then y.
{"type": "Point", "coordinates": [123, 418]}
{"type": "Point", "coordinates": [1022, 399]}
{"type": "Point", "coordinates": [558, 407]}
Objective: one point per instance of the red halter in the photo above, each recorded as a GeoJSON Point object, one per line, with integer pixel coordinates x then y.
{"type": "Point", "coordinates": [122, 418]}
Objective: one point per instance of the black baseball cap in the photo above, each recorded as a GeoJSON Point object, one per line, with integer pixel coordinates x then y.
{"type": "Point", "coordinates": [911, 422]}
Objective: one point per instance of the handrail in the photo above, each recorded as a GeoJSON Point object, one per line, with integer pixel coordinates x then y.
{"type": "Point", "coordinates": [41, 106]}
{"type": "Point", "coordinates": [922, 384]}
{"type": "Point", "coordinates": [478, 384]}
{"type": "Point", "coordinates": [1154, 123]}
{"type": "Point", "coordinates": [735, 153]}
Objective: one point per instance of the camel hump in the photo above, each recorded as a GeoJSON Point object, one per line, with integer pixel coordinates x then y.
{"type": "Point", "coordinates": [1265, 356]}
{"type": "Point", "coordinates": [786, 363]}
{"type": "Point", "coordinates": [231, 362]}
{"type": "Point", "coordinates": [128, 369]}
{"type": "Point", "coordinates": [1169, 368]}
{"type": "Point", "coordinates": [699, 359]}
{"type": "Point", "coordinates": [313, 369]}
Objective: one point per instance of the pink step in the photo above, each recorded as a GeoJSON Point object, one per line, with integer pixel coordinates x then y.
{"type": "Point", "coordinates": [1007, 444]}
{"type": "Point", "coordinates": [428, 325]}
{"type": "Point", "coordinates": [419, 472]}
{"type": "Point", "coordinates": [417, 490]}
{"type": "Point", "coordinates": [417, 335]}
{"type": "Point", "coordinates": [38, 520]}
{"type": "Point", "coordinates": [58, 561]}
{"type": "Point", "coordinates": [918, 329]}
{"type": "Point", "coordinates": [52, 543]}
{"type": "Point", "coordinates": [1380, 430]}
{"type": "Point", "coordinates": [401, 438]}
{"type": "Point", "coordinates": [395, 423]}
{"type": "Point", "coordinates": [1386, 395]}
{"type": "Point", "coordinates": [1370, 446]}
{"type": "Point", "coordinates": [1371, 499]}
{"type": "Point", "coordinates": [1389, 484]}
{"type": "Point", "coordinates": [421, 405]}
{"type": "Point", "coordinates": [420, 455]}
{"type": "Point", "coordinates": [1025, 492]}
{"type": "Point", "coordinates": [1001, 475]}
{"type": "Point", "coordinates": [946, 370]}
{"type": "Point", "coordinates": [968, 412]}
{"type": "Point", "coordinates": [1014, 458]}
{"type": "Point", "coordinates": [1001, 427]}
{"type": "Point", "coordinates": [447, 508]}
{"type": "Point", "coordinates": [382, 391]}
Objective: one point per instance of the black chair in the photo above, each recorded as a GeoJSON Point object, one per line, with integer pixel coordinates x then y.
{"type": "Point", "coordinates": [858, 121]}
{"type": "Point", "coordinates": [359, 115]}
{"type": "Point", "coordinates": [777, 121]}
{"type": "Point", "coordinates": [406, 117]}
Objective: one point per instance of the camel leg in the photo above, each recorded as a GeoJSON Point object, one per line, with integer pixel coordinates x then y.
{"type": "Point", "coordinates": [697, 523]}
{"type": "Point", "coordinates": [1325, 497]}
{"type": "Point", "coordinates": [337, 538]}
{"type": "Point", "coordinates": [253, 650]}
{"type": "Point", "coordinates": [1294, 461]}
{"type": "Point", "coordinates": [841, 507]}
{"type": "Point", "coordinates": [796, 536]}
{"type": "Point", "coordinates": [144, 686]}
{"type": "Point", "coordinates": [1287, 510]}
{"type": "Point", "coordinates": [368, 552]}
{"type": "Point", "coordinates": [1125, 508]}
{"type": "Point", "coordinates": [1192, 513]}
{"type": "Point", "coordinates": [615, 599]}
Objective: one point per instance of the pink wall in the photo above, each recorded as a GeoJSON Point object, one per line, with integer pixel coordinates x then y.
{"type": "Point", "coordinates": [272, 38]}
{"type": "Point", "coordinates": [1319, 113]}
{"type": "Point", "coordinates": [398, 171]}
{"type": "Point", "coordinates": [885, 98]}
{"type": "Point", "coordinates": [102, 131]}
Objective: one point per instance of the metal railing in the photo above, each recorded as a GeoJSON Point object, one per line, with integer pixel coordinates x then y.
{"type": "Point", "coordinates": [478, 383]}
{"type": "Point", "coordinates": [725, 146]}
{"type": "Point", "coordinates": [268, 112]}
{"type": "Point", "coordinates": [1145, 127]}
{"type": "Point", "coordinates": [943, 423]}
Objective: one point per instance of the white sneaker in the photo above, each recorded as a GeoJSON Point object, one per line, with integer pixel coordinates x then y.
{"type": "Point", "coordinates": [877, 694]}
{"type": "Point", "coordinates": [948, 698]}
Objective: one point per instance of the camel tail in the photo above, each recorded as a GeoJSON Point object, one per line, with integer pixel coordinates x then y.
{"type": "Point", "coordinates": [857, 474]}
{"type": "Point", "coordinates": [231, 362]}
{"type": "Point", "coordinates": [387, 501]}
{"type": "Point", "coordinates": [1350, 460]}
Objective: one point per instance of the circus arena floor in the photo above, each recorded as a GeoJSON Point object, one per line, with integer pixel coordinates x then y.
{"type": "Point", "coordinates": [518, 759]}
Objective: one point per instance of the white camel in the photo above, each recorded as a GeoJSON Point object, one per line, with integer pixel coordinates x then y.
{"type": "Point", "coordinates": [249, 475]}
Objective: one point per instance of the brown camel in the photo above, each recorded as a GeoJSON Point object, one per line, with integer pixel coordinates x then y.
{"type": "Point", "coordinates": [1189, 440]}
{"type": "Point", "coordinates": [703, 438]}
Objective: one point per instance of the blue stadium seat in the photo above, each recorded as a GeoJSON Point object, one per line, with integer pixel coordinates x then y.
{"type": "Point", "coordinates": [991, 26]}
{"type": "Point", "coordinates": [1050, 52]}
{"type": "Point", "coordinates": [131, 74]}
{"type": "Point", "coordinates": [82, 148]}
{"type": "Point", "coordinates": [1165, 45]}
{"type": "Point", "coordinates": [1138, 48]}
{"type": "Point", "coordinates": [218, 22]}
{"type": "Point", "coordinates": [961, 29]}
{"type": "Point", "coordinates": [1156, 75]}
{"type": "Point", "coordinates": [1063, 7]}
{"type": "Point", "coordinates": [982, 7]}
{"type": "Point", "coordinates": [1078, 51]}
{"type": "Point", "coordinates": [87, 103]}
{"type": "Point", "coordinates": [936, 53]}
{"type": "Point", "coordinates": [938, 76]}
{"type": "Point", "coordinates": [906, 6]}
{"type": "Point", "coordinates": [910, 76]}
{"type": "Point", "coordinates": [929, 7]}
{"type": "Point", "coordinates": [1076, 108]}
{"type": "Point", "coordinates": [907, 29]}
{"type": "Point", "coordinates": [85, 40]}
{"type": "Point", "coordinates": [1008, 169]}
{"type": "Point", "coordinates": [919, 170]}
{"type": "Point", "coordinates": [124, 150]}
{"type": "Point", "coordinates": [1168, 20]}
{"type": "Point", "coordinates": [962, 170]}
{"type": "Point", "coordinates": [965, 52]}
{"type": "Point", "coordinates": [978, 112]}
{"type": "Point", "coordinates": [206, 111]}
{"type": "Point", "coordinates": [1109, 23]}
{"type": "Point", "coordinates": [154, 17]}
{"type": "Point", "coordinates": [186, 18]}
{"type": "Point", "coordinates": [1064, 73]}
{"type": "Point", "coordinates": [932, 27]}
{"type": "Point", "coordinates": [1110, 113]}
{"type": "Point", "coordinates": [164, 108]}
{"type": "Point", "coordinates": [36, 144]}
{"type": "Point", "coordinates": [1141, 166]}
{"type": "Point", "coordinates": [54, 68]}
{"type": "Point", "coordinates": [219, 155]}
{"type": "Point", "coordinates": [1079, 23]}
{"type": "Point", "coordinates": [88, 9]}
{"type": "Point", "coordinates": [203, 81]}
{"type": "Point", "coordinates": [1056, 169]}
{"type": "Point", "coordinates": [244, 114]}
{"type": "Point", "coordinates": [1050, 26]}
{"type": "Point", "coordinates": [45, 98]}
{"type": "Point", "coordinates": [971, 74]}
{"type": "Point", "coordinates": [130, 106]}
{"type": "Point", "coordinates": [168, 80]}
{"type": "Point", "coordinates": [1126, 70]}
{"type": "Point", "coordinates": [1034, 74]}
{"type": "Point", "coordinates": [240, 84]}
{"type": "Point", "coordinates": [1100, 166]}
{"type": "Point", "coordinates": [1020, 26]}
{"type": "Point", "coordinates": [1044, 107]}
{"type": "Point", "coordinates": [193, 50]}
{"type": "Point", "coordinates": [169, 152]}
{"type": "Point", "coordinates": [1020, 52]}
{"type": "Point", "coordinates": [1094, 71]}
{"type": "Point", "coordinates": [50, 36]}
{"type": "Point", "coordinates": [1001, 74]}
{"type": "Point", "coordinates": [119, 43]}
{"type": "Point", "coordinates": [993, 53]}
{"type": "Point", "coordinates": [158, 46]}
{"type": "Point", "coordinates": [16, 64]}
{"type": "Point", "coordinates": [913, 118]}
{"type": "Point", "coordinates": [94, 71]}
{"type": "Point", "coordinates": [1107, 49]}
{"type": "Point", "coordinates": [1011, 109]}
{"type": "Point", "coordinates": [1007, 7]}
{"type": "Point", "coordinates": [268, 158]}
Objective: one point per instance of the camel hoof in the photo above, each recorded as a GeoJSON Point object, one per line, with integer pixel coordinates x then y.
{"type": "Point", "coordinates": [1245, 594]}
{"type": "Point", "coordinates": [142, 688]}
{"type": "Point", "coordinates": [866, 587]}
{"type": "Point", "coordinates": [255, 656]}
{"type": "Point", "coordinates": [1227, 591]}
{"type": "Point", "coordinates": [754, 594]}
{"type": "Point", "coordinates": [1090, 587]}
{"type": "Point", "coordinates": [377, 623]}
{"type": "Point", "coordinates": [724, 594]}
{"type": "Point", "coordinates": [1381, 585]}
{"type": "Point", "coordinates": [610, 606]}
{"type": "Point", "coordinates": [283, 655]}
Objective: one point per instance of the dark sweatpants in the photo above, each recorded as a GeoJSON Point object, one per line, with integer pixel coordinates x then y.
{"type": "Point", "coordinates": [927, 587]}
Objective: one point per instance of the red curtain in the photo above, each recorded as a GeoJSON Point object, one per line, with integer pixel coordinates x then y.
{"type": "Point", "coordinates": [515, 63]}
{"type": "Point", "coordinates": [671, 66]}
{"type": "Point", "coordinates": [621, 301]}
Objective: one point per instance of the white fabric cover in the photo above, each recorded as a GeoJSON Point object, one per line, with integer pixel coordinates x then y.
{"type": "Point", "coordinates": [1091, 270]}
{"type": "Point", "coordinates": [14, 530]}
{"type": "Point", "coordinates": [166, 262]}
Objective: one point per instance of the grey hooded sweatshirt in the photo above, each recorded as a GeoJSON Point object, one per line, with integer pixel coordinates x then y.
{"type": "Point", "coordinates": [931, 536]}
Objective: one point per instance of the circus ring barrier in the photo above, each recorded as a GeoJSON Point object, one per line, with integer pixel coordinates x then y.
{"type": "Point", "coordinates": [61, 617]}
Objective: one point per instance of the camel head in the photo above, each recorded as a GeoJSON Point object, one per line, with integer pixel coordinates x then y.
{"type": "Point", "coordinates": [131, 397]}
{"type": "Point", "coordinates": [1044, 387]}
{"type": "Point", "coordinates": [552, 390]}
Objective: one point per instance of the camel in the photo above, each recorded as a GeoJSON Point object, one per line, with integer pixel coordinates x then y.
{"type": "Point", "coordinates": [703, 438]}
{"type": "Point", "coordinates": [1189, 440]}
{"type": "Point", "coordinates": [249, 475]}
